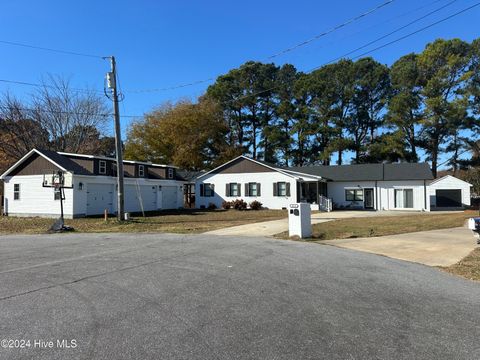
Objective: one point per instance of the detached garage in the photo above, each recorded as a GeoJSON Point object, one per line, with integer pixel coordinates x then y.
{"type": "Point", "coordinates": [449, 192]}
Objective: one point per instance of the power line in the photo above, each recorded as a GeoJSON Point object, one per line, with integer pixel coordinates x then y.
{"type": "Point", "coordinates": [316, 37]}
{"type": "Point", "coordinates": [62, 112]}
{"type": "Point", "coordinates": [372, 50]}
{"type": "Point", "coordinates": [335, 28]}
{"type": "Point", "coordinates": [65, 52]}
{"type": "Point", "coordinates": [48, 86]}
{"type": "Point", "coordinates": [394, 32]}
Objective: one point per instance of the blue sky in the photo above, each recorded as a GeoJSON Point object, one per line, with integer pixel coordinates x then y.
{"type": "Point", "coordinates": [161, 44]}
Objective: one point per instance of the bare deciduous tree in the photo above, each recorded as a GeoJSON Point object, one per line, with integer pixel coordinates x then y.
{"type": "Point", "coordinates": [57, 117]}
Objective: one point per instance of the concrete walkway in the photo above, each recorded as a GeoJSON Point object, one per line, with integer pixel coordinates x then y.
{"type": "Point", "coordinates": [273, 227]}
{"type": "Point", "coordinates": [434, 248]}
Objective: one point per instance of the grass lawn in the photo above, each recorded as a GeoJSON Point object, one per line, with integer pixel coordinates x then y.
{"type": "Point", "coordinates": [181, 221]}
{"type": "Point", "coordinates": [468, 267]}
{"type": "Point", "coordinates": [386, 225]}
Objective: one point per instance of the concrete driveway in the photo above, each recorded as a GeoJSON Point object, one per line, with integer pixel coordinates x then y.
{"type": "Point", "coordinates": [159, 296]}
{"type": "Point", "coordinates": [271, 228]}
{"type": "Point", "coordinates": [435, 248]}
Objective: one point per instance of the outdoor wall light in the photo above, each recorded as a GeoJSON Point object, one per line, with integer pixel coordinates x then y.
{"type": "Point", "coordinates": [80, 186]}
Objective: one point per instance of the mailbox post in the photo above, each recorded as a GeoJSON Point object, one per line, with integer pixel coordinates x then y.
{"type": "Point", "coordinates": [474, 225]}
{"type": "Point", "coordinates": [299, 220]}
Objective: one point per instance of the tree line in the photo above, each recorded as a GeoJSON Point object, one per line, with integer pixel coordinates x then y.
{"type": "Point", "coordinates": [422, 106]}
{"type": "Point", "coordinates": [54, 117]}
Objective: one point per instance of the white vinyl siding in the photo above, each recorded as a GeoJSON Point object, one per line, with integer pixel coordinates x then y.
{"type": "Point", "coordinates": [266, 183]}
{"type": "Point", "coordinates": [383, 194]}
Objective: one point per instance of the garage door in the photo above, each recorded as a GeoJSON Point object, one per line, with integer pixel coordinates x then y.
{"type": "Point", "coordinates": [137, 196]}
{"type": "Point", "coordinates": [169, 197]}
{"type": "Point", "coordinates": [449, 198]}
{"type": "Point", "coordinates": [99, 198]}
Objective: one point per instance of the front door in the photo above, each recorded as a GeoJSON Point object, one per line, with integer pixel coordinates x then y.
{"type": "Point", "coordinates": [368, 201]}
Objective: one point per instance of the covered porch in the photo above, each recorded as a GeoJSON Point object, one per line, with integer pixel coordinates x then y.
{"type": "Point", "coordinates": [314, 193]}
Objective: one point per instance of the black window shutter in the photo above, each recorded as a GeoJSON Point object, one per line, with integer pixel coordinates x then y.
{"type": "Point", "coordinates": [239, 187]}
{"type": "Point", "coordinates": [288, 189]}
{"type": "Point", "coordinates": [227, 190]}
{"type": "Point", "coordinates": [258, 189]}
{"type": "Point", "coordinates": [275, 189]}
{"type": "Point", "coordinates": [202, 190]}
{"type": "Point", "coordinates": [212, 187]}
{"type": "Point", "coordinates": [247, 189]}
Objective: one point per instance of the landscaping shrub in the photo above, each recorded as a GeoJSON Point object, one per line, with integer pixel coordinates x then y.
{"type": "Point", "coordinates": [239, 204]}
{"type": "Point", "coordinates": [255, 205]}
{"type": "Point", "coordinates": [226, 205]}
{"type": "Point", "coordinates": [211, 206]}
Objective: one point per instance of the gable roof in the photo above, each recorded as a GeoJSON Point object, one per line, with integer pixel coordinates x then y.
{"type": "Point", "coordinates": [25, 157]}
{"type": "Point", "coordinates": [261, 163]}
{"type": "Point", "coordinates": [64, 162]}
{"type": "Point", "coordinates": [369, 172]}
{"type": "Point", "coordinates": [449, 176]}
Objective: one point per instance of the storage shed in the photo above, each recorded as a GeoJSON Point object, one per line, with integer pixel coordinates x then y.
{"type": "Point", "coordinates": [449, 192]}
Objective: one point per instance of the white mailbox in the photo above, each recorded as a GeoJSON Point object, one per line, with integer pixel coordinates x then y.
{"type": "Point", "coordinates": [299, 220]}
{"type": "Point", "coordinates": [474, 225]}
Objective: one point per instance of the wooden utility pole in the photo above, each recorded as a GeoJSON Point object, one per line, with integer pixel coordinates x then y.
{"type": "Point", "coordinates": [112, 84]}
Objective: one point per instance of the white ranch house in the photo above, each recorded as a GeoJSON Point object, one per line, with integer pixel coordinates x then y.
{"type": "Point", "coordinates": [400, 186]}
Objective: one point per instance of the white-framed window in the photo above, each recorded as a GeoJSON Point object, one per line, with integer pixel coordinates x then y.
{"type": "Point", "coordinates": [102, 167]}
{"type": "Point", "coordinates": [57, 194]}
{"type": "Point", "coordinates": [170, 173]}
{"type": "Point", "coordinates": [208, 190]}
{"type": "Point", "coordinates": [141, 171]}
{"type": "Point", "coordinates": [252, 189]}
{"type": "Point", "coordinates": [282, 189]}
{"type": "Point", "coordinates": [403, 198]}
{"type": "Point", "coordinates": [354, 194]}
{"type": "Point", "coordinates": [16, 191]}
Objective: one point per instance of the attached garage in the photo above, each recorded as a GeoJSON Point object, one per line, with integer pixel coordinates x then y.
{"type": "Point", "coordinates": [449, 192]}
{"type": "Point", "coordinates": [99, 198]}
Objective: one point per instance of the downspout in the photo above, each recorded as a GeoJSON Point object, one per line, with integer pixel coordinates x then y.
{"type": "Point", "coordinates": [376, 195]}
{"type": "Point", "coordinates": [425, 194]}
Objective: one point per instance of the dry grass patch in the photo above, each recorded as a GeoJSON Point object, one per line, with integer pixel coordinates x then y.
{"type": "Point", "coordinates": [181, 221]}
{"type": "Point", "coordinates": [386, 225]}
{"type": "Point", "coordinates": [468, 267]}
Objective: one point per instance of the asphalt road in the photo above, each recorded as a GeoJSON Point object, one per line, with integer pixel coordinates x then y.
{"type": "Point", "coordinates": [197, 297]}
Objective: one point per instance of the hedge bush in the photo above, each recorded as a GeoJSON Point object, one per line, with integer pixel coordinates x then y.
{"type": "Point", "coordinates": [239, 204]}
{"type": "Point", "coordinates": [256, 205]}
{"type": "Point", "coordinates": [226, 205]}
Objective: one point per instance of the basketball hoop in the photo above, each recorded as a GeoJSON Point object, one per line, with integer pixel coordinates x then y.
{"type": "Point", "coordinates": [58, 180]}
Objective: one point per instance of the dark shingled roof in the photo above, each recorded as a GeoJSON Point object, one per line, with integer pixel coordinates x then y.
{"type": "Point", "coordinates": [188, 175]}
{"type": "Point", "coordinates": [364, 172]}
{"type": "Point", "coordinates": [65, 162]}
